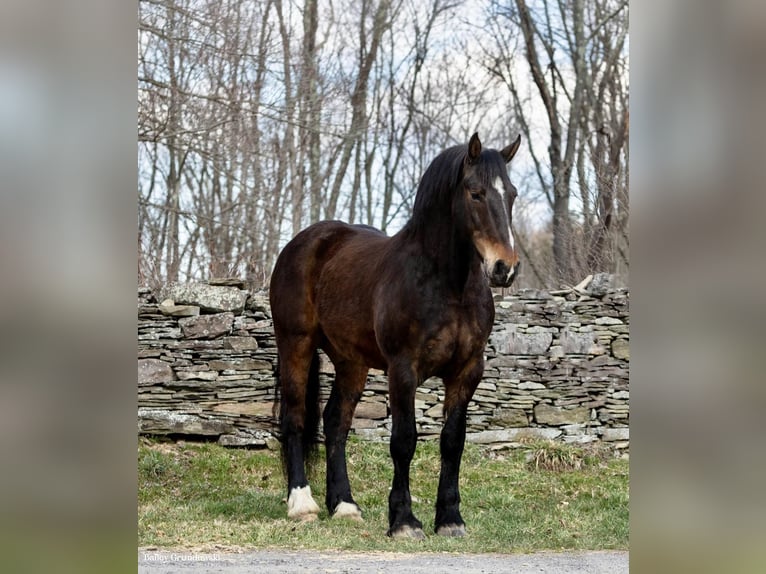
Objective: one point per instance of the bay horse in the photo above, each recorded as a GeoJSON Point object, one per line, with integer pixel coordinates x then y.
{"type": "Point", "coordinates": [417, 304]}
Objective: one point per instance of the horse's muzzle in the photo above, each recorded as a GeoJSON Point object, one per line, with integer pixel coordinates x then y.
{"type": "Point", "coordinates": [503, 274]}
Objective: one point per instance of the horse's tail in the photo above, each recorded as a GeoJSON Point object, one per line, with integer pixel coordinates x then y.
{"type": "Point", "coordinates": [311, 419]}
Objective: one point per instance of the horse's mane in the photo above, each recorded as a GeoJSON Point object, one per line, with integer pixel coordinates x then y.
{"type": "Point", "coordinates": [436, 186]}
{"type": "Point", "coordinates": [434, 195]}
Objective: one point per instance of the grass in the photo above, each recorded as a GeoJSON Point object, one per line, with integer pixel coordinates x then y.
{"type": "Point", "coordinates": [546, 496]}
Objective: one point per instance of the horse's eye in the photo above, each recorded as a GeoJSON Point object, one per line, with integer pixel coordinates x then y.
{"type": "Point", "coordinates": [476, 195]}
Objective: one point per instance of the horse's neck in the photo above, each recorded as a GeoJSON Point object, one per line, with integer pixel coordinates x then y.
{"type": "Point", "coordinates": [454, 258]}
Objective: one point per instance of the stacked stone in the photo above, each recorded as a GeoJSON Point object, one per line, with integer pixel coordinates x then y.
{"type": "Point", "coordinates": [561, 368]}
{"type": "Point", "coordinates": [557, 368]}
{"type": "Point", "coordinates": [206, 363]}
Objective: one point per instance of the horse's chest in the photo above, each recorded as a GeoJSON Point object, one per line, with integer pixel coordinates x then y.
{"type": "Point", "coordinates": [453, 343]}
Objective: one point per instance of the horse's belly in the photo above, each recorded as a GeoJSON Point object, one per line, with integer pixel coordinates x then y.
{"type": "Point", "coordinates": [346, 323]}
{"type": "Point", "coordinates": [355, 345]}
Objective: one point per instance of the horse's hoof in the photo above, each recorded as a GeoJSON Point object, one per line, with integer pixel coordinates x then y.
{"type": "Point", "coordinates": [453, 530]}
{"type": "Point", "coordinates": [348, 510]}
{"type": "Point", "coordinates": [301, 505]}
{"type": "Point", "coordinates": [407, 531]}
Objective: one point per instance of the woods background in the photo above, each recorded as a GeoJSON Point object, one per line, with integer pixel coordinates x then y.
{"type": "Point", "coordinates": [257, 118]}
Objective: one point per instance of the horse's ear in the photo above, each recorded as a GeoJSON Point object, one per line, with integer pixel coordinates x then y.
{"type": "Point", "coordinates": [510, 151]}
{"type": "Point", "coordinates": [474, 148]}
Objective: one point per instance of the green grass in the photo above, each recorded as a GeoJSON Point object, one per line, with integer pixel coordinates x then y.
{"type": "Point", "coordinates": [204, 496]}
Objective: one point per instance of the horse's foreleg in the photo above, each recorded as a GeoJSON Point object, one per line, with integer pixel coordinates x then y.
{"type": "Point", "coordinates": [459, 391]}
{"type": "Point", "coordinates": [402, 522]}
{"type": "Point", "coordinates": [338, 414]}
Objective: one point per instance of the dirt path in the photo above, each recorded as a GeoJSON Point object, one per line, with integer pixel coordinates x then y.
{"type": "Point", "coordinates": [290, 562]}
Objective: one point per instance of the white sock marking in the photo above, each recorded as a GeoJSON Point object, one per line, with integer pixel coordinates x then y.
{"type": "Point", "coordinates": [300, 503]}
{"type": "Point", "coordinates": [347, 510]}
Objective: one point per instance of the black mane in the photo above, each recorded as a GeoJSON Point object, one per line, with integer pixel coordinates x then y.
{"type": "Point", "coordinates": [431, 220]}
{"type": "Point", "coordinates": [435, 189]}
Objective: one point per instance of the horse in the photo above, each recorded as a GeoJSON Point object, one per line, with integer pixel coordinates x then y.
{"type": "Point", "coordinates": [417, 304]}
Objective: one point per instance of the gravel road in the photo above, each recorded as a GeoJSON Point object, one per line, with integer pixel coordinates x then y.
{"type": "Point", "coordinates": [290, 562]}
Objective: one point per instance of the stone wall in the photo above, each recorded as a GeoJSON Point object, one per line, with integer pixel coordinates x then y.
{"type": "Point", "coordinates": [557, 368]}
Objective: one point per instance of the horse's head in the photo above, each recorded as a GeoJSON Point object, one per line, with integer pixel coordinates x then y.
{"type": "Point", "coordinates": [485, 196]}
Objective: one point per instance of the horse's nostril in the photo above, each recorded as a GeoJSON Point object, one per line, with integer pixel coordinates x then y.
{"type": "Point", "coordinates": [503, 274]}
{"type": "Point", "coordinates": [501, 269]}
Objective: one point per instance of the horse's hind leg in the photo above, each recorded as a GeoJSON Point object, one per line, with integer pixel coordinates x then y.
{"type": "Point", "coordinates": [338, 414]}
{"type": "Point", "coordinates": [296, 377]}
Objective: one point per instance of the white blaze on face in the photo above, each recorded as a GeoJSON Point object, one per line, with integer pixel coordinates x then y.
{"type": "Point", "coordinates": [498, 185]}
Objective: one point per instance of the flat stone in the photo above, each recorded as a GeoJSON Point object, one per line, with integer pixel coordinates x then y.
{"type": "Point", "coordinates": [149, 353]}
{"type": "Point", "coordinates": [197, 375]}
{"type": "Point", "coordinates": [601, 284]}
{"type": "Point", "coordinates": [530, 386]}
{"type": "Point", "coordinates": [371, 410]}
{"type": "Point", "coordinates": [531, 343]}
{"type": "Point", "coordinates": [596, 349]}
{"type": "Point", "coordinates": [511, 435]}
{"type": "Point", "coordinates": [435, 412]}
{"type": "Point", "coordinates": [616, 434]}
{"type": "Point", "coordinates": [227, 282]}
{"type": "Point", "coordinates": [621, 349]}
{"type": "Point", "coordinates": [206, 326]}
{"type": "Point", "coordinates": [169, 308]}
{"type": "Point", "coordinates": [534, 294]}
{"type": "Point", "coordinates": [580, 439]}
{"type": "Point", "coordinates": [509, 418]}
{"type": "Point", "coordinates": [325, 365]}
{"type": "Point", "coordinates": [241, 343]}
{"type": "Point", "coordinates": [377, 386]}
{"type": "Point", "coordinates": [357, 423]}
{"type": "Point", "coordinates": [556, 352]}
{"type": "Point", "coordinates": [576, 343]}
{"type": "Point", "coordinates": [551, 415]}
{"type": "Point", "coordinates": [240, 365]}
{"type": "Point", "coordinates": [511, 341]}
{"type": "Point", "coordinates": [164, 421]}
{"type": "Point", "coordinates": [264, 409]}
{"type": "Point", "coordinates": [259, 302]}
{"type": "Point", "coordinates": [607, 321]}
{"type": "Point", "coordinates": [153, 371]}
{"type": "Point", "coordinates": [600, 361]}
{"type": "Point", "coordinates": [209, 298]}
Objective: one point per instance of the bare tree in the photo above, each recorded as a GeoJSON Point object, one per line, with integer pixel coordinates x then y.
{"type": "Point", "coordinates": [380, 21]}
{"type": "Point", "coordinates": [575, 55]}
{"type": "Point", "coordinates": [256, 118]}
